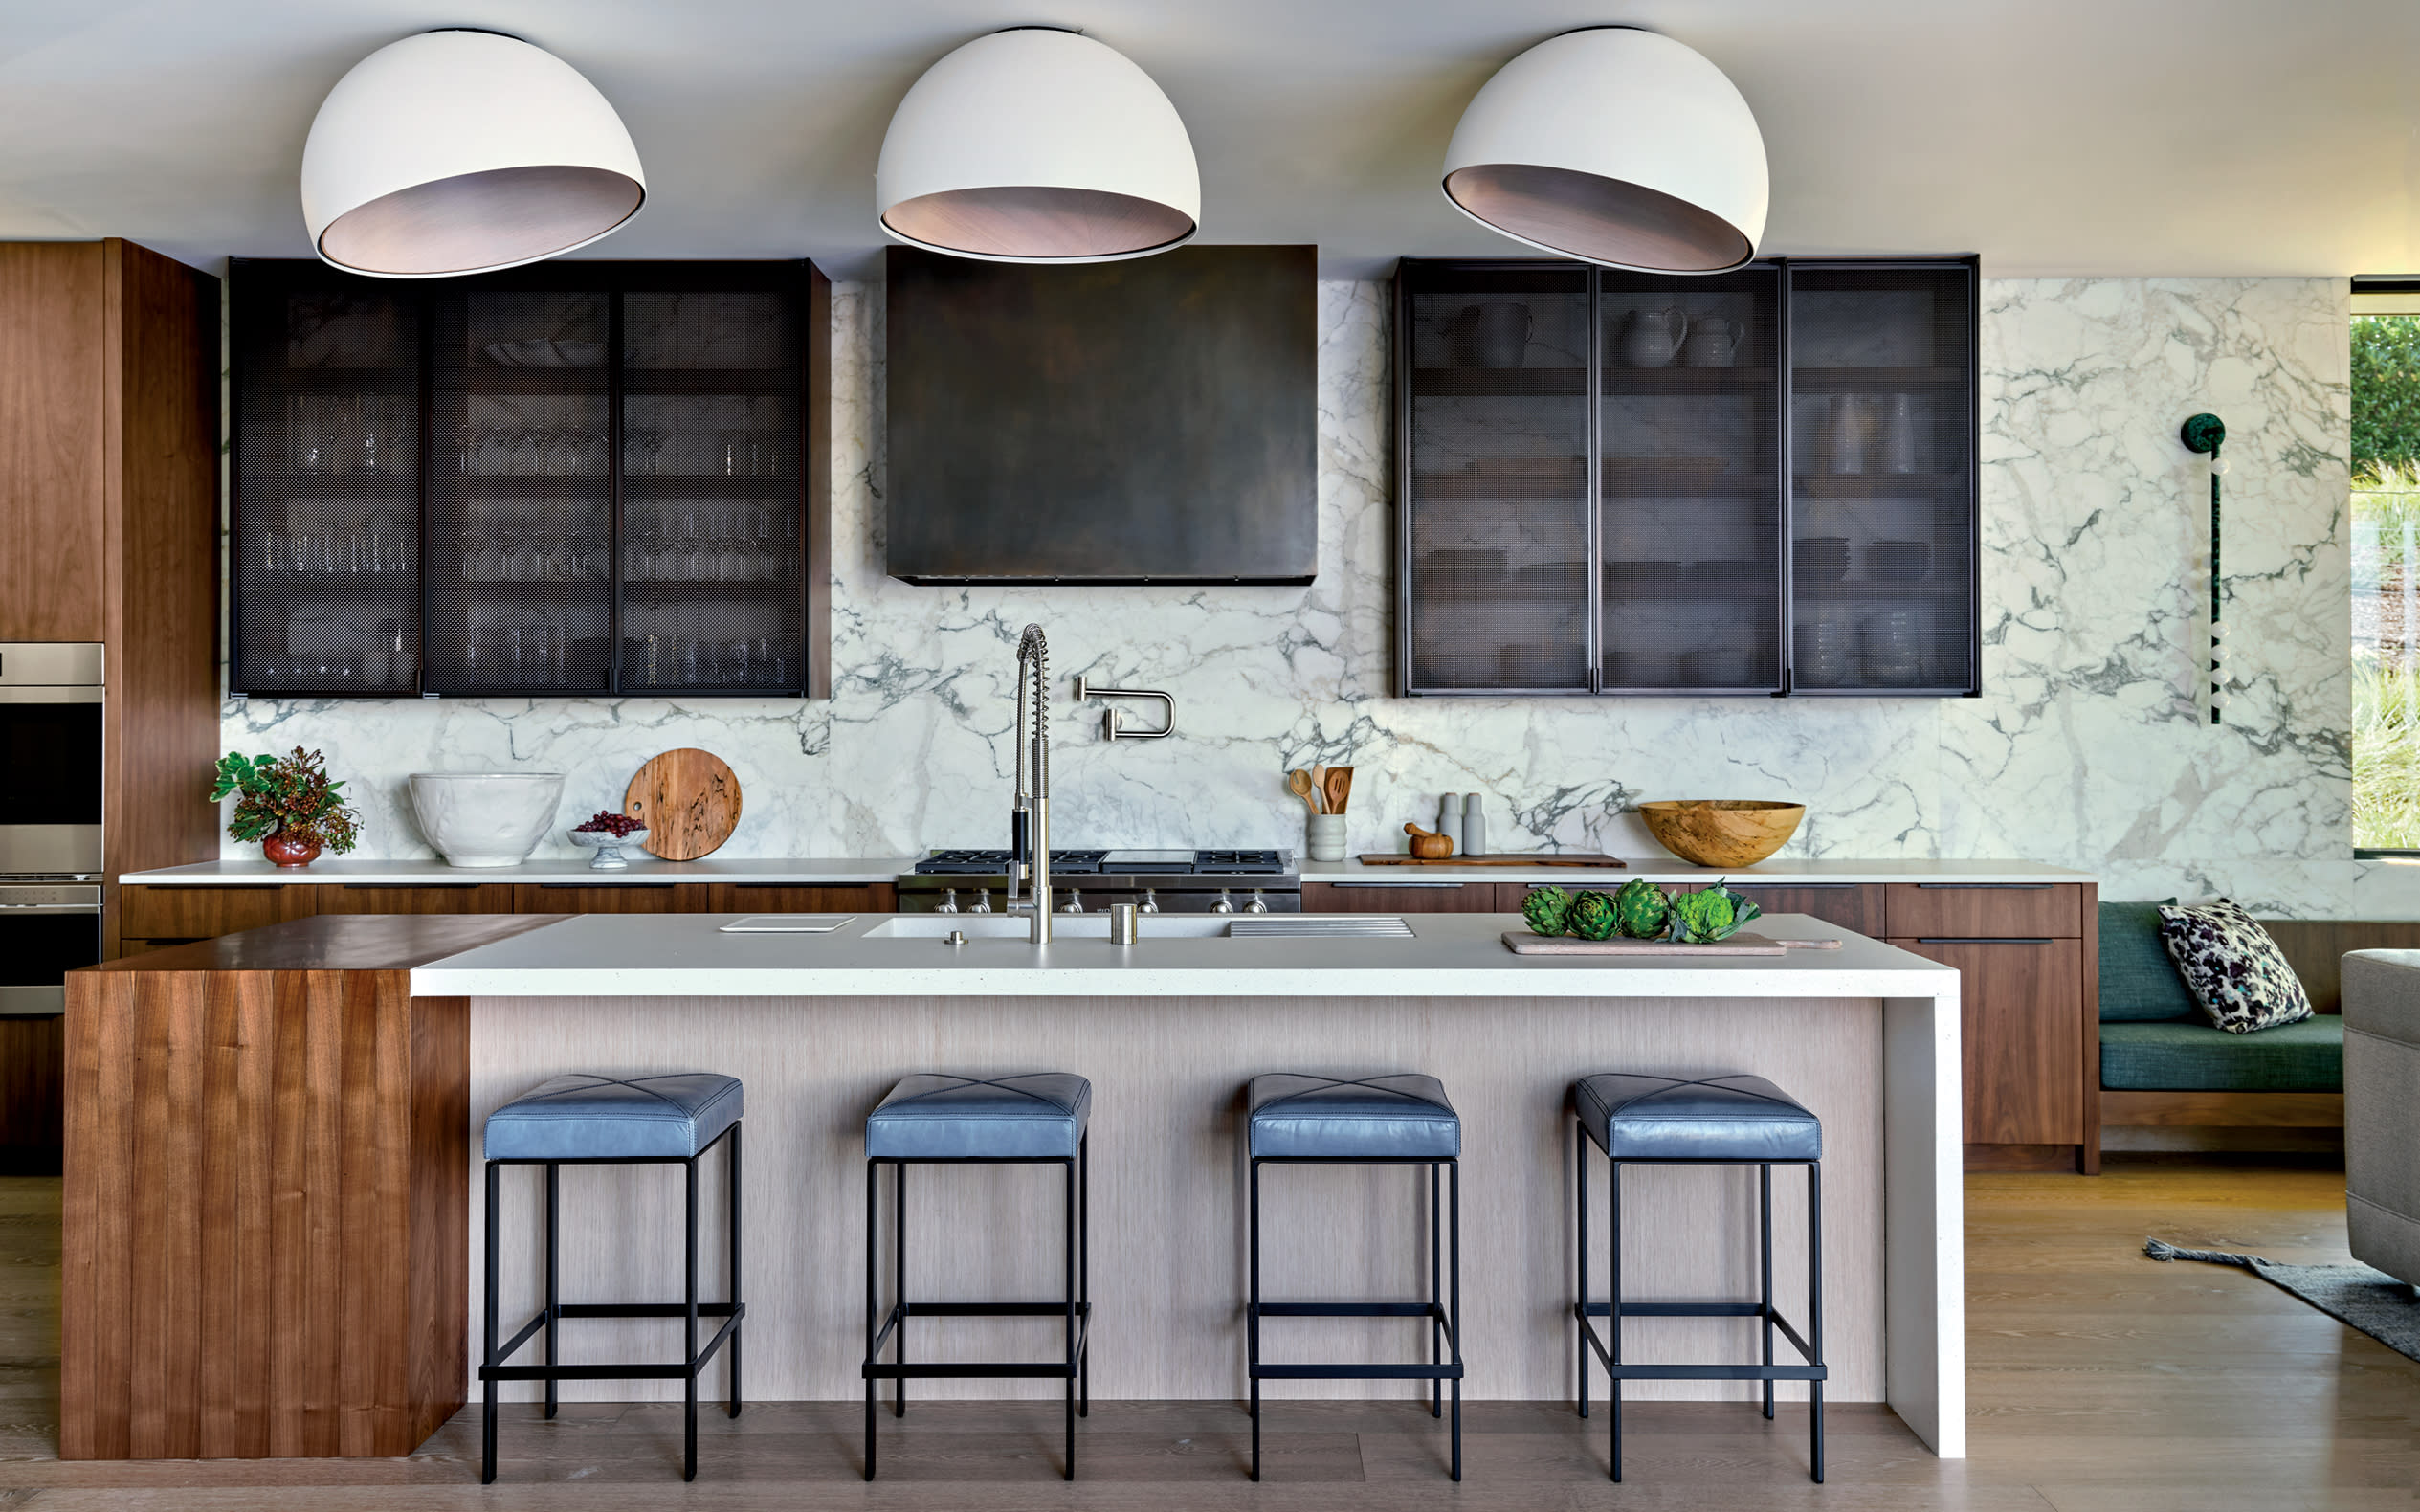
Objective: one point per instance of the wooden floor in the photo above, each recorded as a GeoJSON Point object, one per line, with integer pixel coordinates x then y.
{"type": "Point", "coordinates": [2101, 1382]}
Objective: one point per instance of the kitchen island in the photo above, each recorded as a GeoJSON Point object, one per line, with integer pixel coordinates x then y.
{"type": "Point", "coordinates": [819, 1025]}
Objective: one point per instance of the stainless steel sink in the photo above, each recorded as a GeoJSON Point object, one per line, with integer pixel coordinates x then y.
{"type": "Point", "coordinates": [1065, 927]}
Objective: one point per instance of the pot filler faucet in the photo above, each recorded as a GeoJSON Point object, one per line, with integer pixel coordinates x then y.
{"type": "Point", "coordinates": [1030, 821]}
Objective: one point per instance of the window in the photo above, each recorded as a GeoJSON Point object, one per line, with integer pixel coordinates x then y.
{"type": "Point", "coordinates": [2385, 512]}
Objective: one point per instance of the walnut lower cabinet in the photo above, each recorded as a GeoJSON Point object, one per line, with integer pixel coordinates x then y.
{"type": "Point", "coordinates": [152, 918]}
{"type": "Point", "coordinates": [2028, 962]}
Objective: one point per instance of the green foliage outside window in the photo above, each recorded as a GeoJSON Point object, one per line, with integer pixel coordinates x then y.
{"type": "Point", "coordinates": [2386, 393]}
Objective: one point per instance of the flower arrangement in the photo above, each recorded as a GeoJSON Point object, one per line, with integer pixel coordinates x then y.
{"type": "Point", "coordinates": [287, 803]}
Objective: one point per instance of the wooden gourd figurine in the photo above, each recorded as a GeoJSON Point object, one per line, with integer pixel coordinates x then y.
{"type": "Point", "coordinates": [1426, 845]}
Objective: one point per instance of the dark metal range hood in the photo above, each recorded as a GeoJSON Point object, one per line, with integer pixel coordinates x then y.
{"type": "Point", "coordinates": [1148, 421]}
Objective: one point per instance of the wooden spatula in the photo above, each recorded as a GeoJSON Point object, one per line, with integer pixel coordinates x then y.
{"type": "Point", "coordinates": [1338, 788]}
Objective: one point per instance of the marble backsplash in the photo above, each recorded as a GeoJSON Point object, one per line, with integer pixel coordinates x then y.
{"type": "Point", "coordinates": [2089, 747]}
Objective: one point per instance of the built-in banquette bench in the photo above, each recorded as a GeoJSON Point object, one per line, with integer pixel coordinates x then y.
{"type": "Point", "coordinates": [2163, 1064]}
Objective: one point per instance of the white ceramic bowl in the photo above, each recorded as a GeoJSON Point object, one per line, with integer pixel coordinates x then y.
{"type": "Point", "coordinates": [485, 818]}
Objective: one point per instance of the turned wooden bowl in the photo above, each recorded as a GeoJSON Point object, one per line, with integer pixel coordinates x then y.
{"type": "Point", "coordinates": [1721, 832]}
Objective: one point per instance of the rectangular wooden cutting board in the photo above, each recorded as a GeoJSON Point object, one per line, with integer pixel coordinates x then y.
{"type": "Point", "coordinates": [1522, 942]}
{"type": "Point", "coordinates": [1554, 859]}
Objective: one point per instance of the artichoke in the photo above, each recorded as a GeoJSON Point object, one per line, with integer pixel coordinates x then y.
{"type": "Point", "coordinates": [1548, 910]}
{"type": "Point", "coordinates": [1714, 914]}
{"type": "Point", "coordinates": [1593, 916]}
{"type": "Point", "coordinates": [1642, 908]}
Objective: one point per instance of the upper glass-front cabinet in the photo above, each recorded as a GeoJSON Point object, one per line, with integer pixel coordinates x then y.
{"type": "Point", "coordinates": [1754, 483]}
{"type": "Point", "coordinates": [582, 477]}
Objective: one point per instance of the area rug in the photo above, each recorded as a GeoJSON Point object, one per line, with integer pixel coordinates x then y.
{"type": "Point", "coordinates": [2368, 1299]}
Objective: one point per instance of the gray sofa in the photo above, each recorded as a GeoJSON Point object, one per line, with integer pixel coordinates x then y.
{"type": "Point", "coordinates": [2382, 1109]}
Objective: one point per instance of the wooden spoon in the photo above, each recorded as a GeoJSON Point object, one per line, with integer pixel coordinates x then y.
{"type": "Point", "coordinates": [1318, 787]}
{"type": "Point", "coordinates": [1338, 788]}
{"type": "Point", "coordinates": [1298, 783]}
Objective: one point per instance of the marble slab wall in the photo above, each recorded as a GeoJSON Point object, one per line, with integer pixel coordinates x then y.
{"type": "Point", "coordinates": [2090, 747]}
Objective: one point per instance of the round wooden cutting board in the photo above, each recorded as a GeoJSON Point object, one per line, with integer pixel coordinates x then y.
{"type": "Point", "coordinates": [689, 801]}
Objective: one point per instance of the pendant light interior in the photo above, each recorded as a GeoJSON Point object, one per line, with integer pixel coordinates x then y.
{"type": "Point", "coordinates": [499, 218]}
{"type": "Point", "coordinates": [1039, 221]}
{"type": "Point", "coordinates": [1600, 219]}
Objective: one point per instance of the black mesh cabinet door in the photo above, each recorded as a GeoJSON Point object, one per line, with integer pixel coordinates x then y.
{"type": "Point", "coordinates": [1493, 538]}
{"type": "Point", "coordinates": [324, 556]}
{"type": "Point", "coordinates": [1883, 479]}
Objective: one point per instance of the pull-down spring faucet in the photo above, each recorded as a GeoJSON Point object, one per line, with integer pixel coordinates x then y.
{"type": "Point", "coordinates": [1030, 821]}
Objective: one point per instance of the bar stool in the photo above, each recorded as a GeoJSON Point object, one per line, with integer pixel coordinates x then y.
{"type": "Point", "coordinates": [585, 1120]}
{"type": "Point", "coordinates": [1399, 1120]}
{"type": "Point", "coordinates": [939, 1119]}
{"type": "Point", "coordinates": [1709, 1121]}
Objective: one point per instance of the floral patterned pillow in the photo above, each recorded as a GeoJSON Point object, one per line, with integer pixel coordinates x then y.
{"type": "Point", "coordinates": [2235, 969]}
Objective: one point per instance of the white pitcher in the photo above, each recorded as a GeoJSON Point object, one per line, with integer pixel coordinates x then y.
{"type": "Point", "coordinates": [1652, 338]}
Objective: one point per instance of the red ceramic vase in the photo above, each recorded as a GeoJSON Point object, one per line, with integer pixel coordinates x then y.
{"type": "Point", "coordinates": [290, 850]}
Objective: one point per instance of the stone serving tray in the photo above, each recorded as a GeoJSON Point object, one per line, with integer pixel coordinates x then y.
{"type": "Point", "coordinates": [1522, 942]}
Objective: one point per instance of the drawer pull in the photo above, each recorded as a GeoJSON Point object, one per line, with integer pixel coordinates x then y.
{"type": "Point", "coordinates": [1794, 887]}
{"type": "Point", "coordinates": [609, 887]}
{"type": "Point", "coordinates": [1455, 886]}
{"type": "Point", "coordinates": [1985, 940]}
{"type": "Point", "coordinates": [426, 887]}
{"type": "Point", "coordinates": [1976, 887]}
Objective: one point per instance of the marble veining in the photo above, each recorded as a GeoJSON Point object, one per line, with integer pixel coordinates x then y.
{"type": "Point", "coordinates": [2089, 747]}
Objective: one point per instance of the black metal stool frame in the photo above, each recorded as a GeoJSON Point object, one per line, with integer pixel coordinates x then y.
{"type": "Point", "coordinates": [1609, 1353]}
{"type": "Point", "coordinates": [1443, 1310]}
{"type": "Point", "coordinates": [891, 1327]}
{"type": "Point", "coordinates": [550, 1316]}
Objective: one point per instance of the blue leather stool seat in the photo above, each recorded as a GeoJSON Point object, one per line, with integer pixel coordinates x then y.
{"type": "Point", "coordinates": [584, 1116]}
{"type": "Point", "coordinates": [1401, 1117]}
{"type": "Point", "coordinates": [1734, 1118]}
{"type": "Point", "coordinates": [937, 1116]}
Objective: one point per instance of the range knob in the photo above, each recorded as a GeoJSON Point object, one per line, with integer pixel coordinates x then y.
{"type": "Point", "coordinates": [950, 903]}
{"type": "Point", "coordinates": [1259, 904]}
{"type": "Point", "coordinates": [1150, 902]}
{"type": "Point", "coordinates": [1075, 903]}
{"type": "Point", "coordinates": [1225, 903]}
{"type": "Point", "coordinates": [983, 901]}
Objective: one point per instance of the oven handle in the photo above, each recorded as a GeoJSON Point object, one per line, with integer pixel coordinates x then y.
{"type": "Point", "coordinates": [51, 908]}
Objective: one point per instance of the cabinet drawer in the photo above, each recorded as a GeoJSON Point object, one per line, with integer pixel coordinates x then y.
{"type": "Point", "coordinates": [1408, 896]}
{"type": "Point", "coordinates": [754, 897]}
{"type": "Point", "coordinates": [197, 913]}
{"type": "Point", "coordinates": [636, 898]}
{"type": "Point", "coordinates": [2021, 1010]}
{"type": "Point", "coordinates": [447, 898]}
{"type": "Point", "coordinates": [1987, 911]}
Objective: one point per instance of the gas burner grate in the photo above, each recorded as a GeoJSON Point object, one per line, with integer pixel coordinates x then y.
{"type": "Point", "coordinates": [990, 862]}
{"type": "Point", "coordinates": [1239, 861]}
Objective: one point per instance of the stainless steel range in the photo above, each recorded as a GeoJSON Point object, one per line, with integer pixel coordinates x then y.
{"type": "Point", "coordinates": [1089, 881]}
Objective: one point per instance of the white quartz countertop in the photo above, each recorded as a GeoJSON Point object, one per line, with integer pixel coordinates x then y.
{"type": "Point", "coordinates": [1780, 872]}
{"type": "Point", "coordinates": [1449, 955]}
{"type": "Point", "coordinates": [838, 872]}
{"type": "Point", "coordinates": [644, 869]}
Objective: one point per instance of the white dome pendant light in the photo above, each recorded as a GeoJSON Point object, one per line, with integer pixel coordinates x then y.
{"type": "Point", "coordinates": [1618, 147]}
{"type": "Point", "coordinates": [463, 151]}
{"type": "Point", "coordinates": [1037, 146]}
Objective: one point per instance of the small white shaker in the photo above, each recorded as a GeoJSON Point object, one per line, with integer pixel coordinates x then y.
{"type": "Point", "coordinates": [1474, 826]}
{"type": "Point", "coordinates": [1449, 819]}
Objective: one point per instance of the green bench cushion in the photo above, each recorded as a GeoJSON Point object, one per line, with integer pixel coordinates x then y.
{"type": "Point", "coordinates": [2166, 1056]}
{"type": "Point", "coordinates": [2138, 980]}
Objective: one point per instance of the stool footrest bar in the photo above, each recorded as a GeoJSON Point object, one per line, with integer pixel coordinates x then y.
{"type": "Point", "coordinates": [1350, 1310]}
{"type": "Point", "coordinates": [1356, 1373]}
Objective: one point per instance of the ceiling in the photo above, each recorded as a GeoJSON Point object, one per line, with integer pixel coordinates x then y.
{"type": "Point", "coordinates": [2055, 136]}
